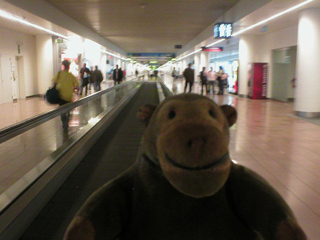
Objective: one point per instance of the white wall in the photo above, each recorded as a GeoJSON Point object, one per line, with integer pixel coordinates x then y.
{"type": "Point", "coordinates": [9, 46]}
{"type": "Point", "coordinates": [44, 62]}
{"type": "Point", "coordinates": [103, 66]}
{"type": "Point", "coordinates": [92, 52]}
{"type": "Point", "coordinates": [130, 69]}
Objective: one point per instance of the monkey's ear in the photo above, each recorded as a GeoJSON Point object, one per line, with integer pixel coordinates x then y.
{"type": "Point", "coordinates": [145, 112]}
{"type": "Point", "coordinates": [230, 113]}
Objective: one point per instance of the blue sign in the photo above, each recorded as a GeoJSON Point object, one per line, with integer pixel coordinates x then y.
{"type": "Point", "coordinates": [223, 30]}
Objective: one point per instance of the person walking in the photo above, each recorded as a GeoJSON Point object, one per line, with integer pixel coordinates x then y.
{"type": "Point", "coordinates": [90, 79]}
{"type": "Point", "coordinates": [203, 78]}
{"type": "Point", "coordinates": [117, 75]}
{"type": "Point", "coordinates": [220, 80]}
{"type": "Point", "coordinates": [212, 76]}
{"type": "Point", "coordinates": [65, 83]}
{"type": "Point", "coordinates": [120, 69]}
{"type": "Point", "coordinates": [174, 74]}
{"type": "Point", "coordinates": [188, 74]}
{"type": "Point", "coordinates": [124, 72]}
{"type": "Point", "coordinates": [84, 76]}
{"type": "Point", "coordinates": [97, 78]}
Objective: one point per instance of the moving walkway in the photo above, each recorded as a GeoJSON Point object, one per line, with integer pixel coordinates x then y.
{"type": "Point", "coordinates": [103, 141]}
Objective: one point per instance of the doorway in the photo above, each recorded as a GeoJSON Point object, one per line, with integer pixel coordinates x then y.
{"type": "Point", "coordinates": [19, 77]}
{"type": "Point", "coordinates": [284, 71]}
{"type": "Point", "coordinates": [6, 79]}
{"type": "Point", "coordinates": [11, 79]}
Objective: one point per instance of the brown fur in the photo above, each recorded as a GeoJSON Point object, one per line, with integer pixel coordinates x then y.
{"type": "Point", "coordinates": [184, 184]}
{"type": "Point", "coordinates": [81, 229]}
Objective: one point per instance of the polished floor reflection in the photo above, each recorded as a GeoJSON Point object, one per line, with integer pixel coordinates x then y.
{"type": "Point", "coordinates": [267, 138]}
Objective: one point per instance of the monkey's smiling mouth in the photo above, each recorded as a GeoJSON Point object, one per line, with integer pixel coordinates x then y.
{"type": "Point", "coordinates": [205, 167]}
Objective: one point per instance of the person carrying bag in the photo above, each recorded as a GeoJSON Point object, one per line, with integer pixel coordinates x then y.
{"type": "Point", "coordinates": [65, 84]}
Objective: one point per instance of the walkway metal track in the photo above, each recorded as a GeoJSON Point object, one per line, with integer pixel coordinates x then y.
{"type": "Point", "coordinates": [114, 152]}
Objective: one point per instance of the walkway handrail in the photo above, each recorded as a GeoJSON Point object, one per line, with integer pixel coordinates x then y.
{"type": "Point", "coordinates": [167, 92]}
{"type": "Point", "coordinates": [25, 125]}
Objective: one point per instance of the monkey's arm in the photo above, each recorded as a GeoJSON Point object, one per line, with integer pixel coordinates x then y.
{"type": "Point", "coordinates": [104, 214]}
{"type": "Point", "coordinates": [260, 207]}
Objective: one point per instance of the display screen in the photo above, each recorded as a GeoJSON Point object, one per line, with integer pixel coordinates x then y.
{"type": "Point", "coordinates": [223, 30]}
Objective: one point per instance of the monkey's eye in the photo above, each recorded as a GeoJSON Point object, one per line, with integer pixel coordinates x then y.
{"type": "Point", "coordinates": [212, 113]}
{"type": "Point", "coordinates": [171, 114]}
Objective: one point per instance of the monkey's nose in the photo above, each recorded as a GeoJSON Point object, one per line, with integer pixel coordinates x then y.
{"type": "Point", "coordinates": [196, 142]}
{"type": "Point", "coordinates": [196, 146]}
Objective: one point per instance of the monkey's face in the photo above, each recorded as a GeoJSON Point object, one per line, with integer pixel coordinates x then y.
{"type": "Point", "coordinates": [192, 145]}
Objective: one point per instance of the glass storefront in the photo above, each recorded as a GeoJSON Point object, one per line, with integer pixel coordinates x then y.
{"type": "Point", "coordinates": [229, 61]}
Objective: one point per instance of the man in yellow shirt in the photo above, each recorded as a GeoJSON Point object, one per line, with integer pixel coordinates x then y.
{"type": "Point", "coordinates": [66, 83]}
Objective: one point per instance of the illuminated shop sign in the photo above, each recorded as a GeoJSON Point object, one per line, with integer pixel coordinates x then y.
{"type": "Point", "coordinates": [212, 49]}
{"type": "Point", "coordinates": [223, 30]}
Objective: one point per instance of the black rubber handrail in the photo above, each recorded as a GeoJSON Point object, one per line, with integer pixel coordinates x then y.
{"type": "Point", "coordinates": [166, 90]}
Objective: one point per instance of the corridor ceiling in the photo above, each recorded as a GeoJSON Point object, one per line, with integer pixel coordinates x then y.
{"type": "Point", "coordinates": [154, 26]}
{"type": "Point", "coordinates": [146, 26]}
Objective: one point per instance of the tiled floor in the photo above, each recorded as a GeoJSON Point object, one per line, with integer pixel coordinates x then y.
{"type": "Point", "coordinates": [267, 138]}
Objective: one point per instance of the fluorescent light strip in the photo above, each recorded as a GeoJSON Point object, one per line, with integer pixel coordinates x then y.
{"type": "Point", "coordinates": [221, 40]}
{"type": "Point", "coordinates": [189, 54]}
{"type": "Point", "coordinates": [273, 17]}
{"type": "Point", "coordinates": [113, 54]}
{"type": "Point", "coordinates": [13, 18]}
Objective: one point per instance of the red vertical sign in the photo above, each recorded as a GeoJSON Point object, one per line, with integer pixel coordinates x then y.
{"type": "Point", "coordinates": [258, 80]}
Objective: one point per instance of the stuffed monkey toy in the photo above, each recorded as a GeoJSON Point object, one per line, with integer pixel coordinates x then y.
{"type": "Point", "coordinates": [184, 185]}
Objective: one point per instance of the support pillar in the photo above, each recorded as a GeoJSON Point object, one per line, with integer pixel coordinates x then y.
{"type": "Point", "coordinates": [196, 67]}
{"type": "Point", "coordinates": [247, 44]}
{"type": "Point", "coordinates": [307, 97]}
{"type": "Point", "coordinates": [204, 60]}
